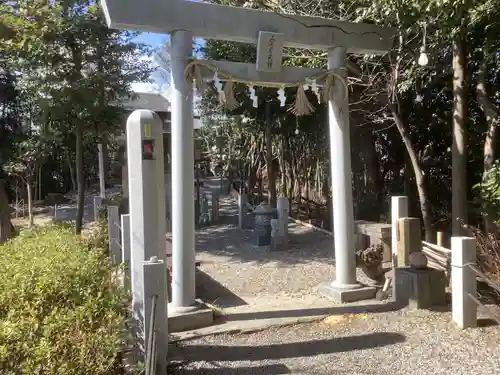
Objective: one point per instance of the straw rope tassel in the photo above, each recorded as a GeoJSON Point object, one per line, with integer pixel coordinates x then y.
{"type": "Point", "coordinates": [328, 88]}
{"type": "Point", "coordinates": [193, 72]}
{"type": "Point", "coordinates": [200, 84]}
{"type": "Point", "coordinates": [230, 101]}
{"type": "Point", "coordinates": [302, 106]}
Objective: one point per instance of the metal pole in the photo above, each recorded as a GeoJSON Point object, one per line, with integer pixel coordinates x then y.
{"type": "Point", "coordinates": [340, 152]}
{"type": "Point", "coordinates": [183, 228]}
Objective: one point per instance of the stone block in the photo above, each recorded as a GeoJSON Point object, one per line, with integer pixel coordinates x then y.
{"type": "Point", "coordinates": [279, 243]}
{"type": "Point", "coordinates": [420, 288]}
{"type": "Point", "coordinates": [189, 320]}
{"type": "Point", "coordinates": [343, 295]}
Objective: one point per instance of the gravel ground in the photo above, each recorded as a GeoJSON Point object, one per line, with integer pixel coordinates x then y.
{"type": "Point", "coordinates": [402, 342]}
{"type": "Point", "coordinates": [239, 277]}
{"type": "Point", "coordinates": [234, 272]}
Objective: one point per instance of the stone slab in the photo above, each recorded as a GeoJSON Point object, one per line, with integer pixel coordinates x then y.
{"type": "Point", "coordinates": [187, 321]}
{"type": "Point", "coordinates": [340, 295]}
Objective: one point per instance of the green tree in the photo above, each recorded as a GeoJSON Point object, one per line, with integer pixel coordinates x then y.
{"type": "Point", "coordinates": [77, 68]}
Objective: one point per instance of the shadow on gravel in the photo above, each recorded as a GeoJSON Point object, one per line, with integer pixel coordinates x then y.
{"type": "Point", "coordinates": [338, 310]}
{"type": "Point", "coordinates": [263, 370]}
{"type": "Point", "coordinates": [226, 239]}
{"type": "Point", "coordinates": [197, 353]}
{"type": "Point", "coordinates": [211, 291]}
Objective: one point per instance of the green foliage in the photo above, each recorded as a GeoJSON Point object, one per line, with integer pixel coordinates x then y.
{"type": "Point", "coordinates": [489, 189]}
{"type": "Point", "coordinates": [60, 311]}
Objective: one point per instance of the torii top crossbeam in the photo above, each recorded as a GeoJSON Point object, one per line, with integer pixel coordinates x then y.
{"type": "Point", "coordinates": [243, 24]}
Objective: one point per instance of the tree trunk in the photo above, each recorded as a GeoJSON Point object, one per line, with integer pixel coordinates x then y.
{"type": "Point", "coordinates": [271, 180]}
{"type": "Point", "coordinates": [79, 179]}
{"type": "Point", "coordinates": [459, 148]}
{"type": "Point", "coordinates": [419, 174]}
{"type": "Point", "coordinates": [7, 230]}
{"type": "Point", "coordinates": [492, 115]}
{"type": "Point", "coordinates": [72, 173]}
{"type": "Point", "coordinates": [30, 204]}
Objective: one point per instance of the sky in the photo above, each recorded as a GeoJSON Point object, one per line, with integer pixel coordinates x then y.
{"type": "Point", "coordinates": [160, 84]}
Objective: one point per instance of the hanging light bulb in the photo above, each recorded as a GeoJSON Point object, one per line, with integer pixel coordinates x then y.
{"type": "Point", "coordinates": [423, 59]}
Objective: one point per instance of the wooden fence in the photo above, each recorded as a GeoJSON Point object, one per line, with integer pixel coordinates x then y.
{"type": "Point", "coordinates": [438, 256]}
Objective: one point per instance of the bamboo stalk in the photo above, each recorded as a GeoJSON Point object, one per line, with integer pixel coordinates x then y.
{"type": "Point", "coordinates": [436, 247]}
{"type": "Point", "coordinates": [435, 253]}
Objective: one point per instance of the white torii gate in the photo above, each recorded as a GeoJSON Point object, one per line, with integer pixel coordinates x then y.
{"type": "Point", "coordinates": [183, 20]}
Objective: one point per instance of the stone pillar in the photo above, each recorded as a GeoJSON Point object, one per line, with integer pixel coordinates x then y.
{"type": "Point", "coordinates": [125, 240]}
{"type": "Point", "coordinates": [282, 205]}
{"type": "Point", "coordinates": [463, 281]}
{"type": "Point", "coordinates": [340, 151]}
{"type": "Point", "coordinates": [345, 288]}
{"type": "Point", "coordinates": [114, 236]}
{"type": "Point", "coordinates": [242, 210]}
{"type": "Point", "coordinates": [183, 220]}
{"type": "Point", "coordinates": [399, 209]}
{"type": "Point", "coordinates": [147, 204]}
{"type": "Point", "coordinates": [215, 207]}
{"type": "Point", "coordinates": [155, 296]}
{"type": "Point", "coordinates": [98, 201]}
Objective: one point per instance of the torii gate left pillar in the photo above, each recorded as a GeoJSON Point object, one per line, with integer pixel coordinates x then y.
{"type": "Point", "coordinates": [183, 230]}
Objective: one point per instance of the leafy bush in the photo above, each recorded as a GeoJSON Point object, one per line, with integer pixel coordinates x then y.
{"type": "Point", "coordinates": [60, 312]}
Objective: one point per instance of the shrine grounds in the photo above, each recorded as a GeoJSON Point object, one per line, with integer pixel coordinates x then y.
{"type": "Point", "coordinates": [273, 321]}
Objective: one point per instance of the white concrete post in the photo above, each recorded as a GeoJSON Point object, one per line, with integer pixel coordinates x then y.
{"type": "Point", "coordinates": [125, 240]}
{"type": "Point", "coordinates": [283, 209]}
{"type": "Point", "coordinates": [147, 203]}
{"type": "Point", "coordinates": [340, 152]}
{"type": "Point", "coordinates": [155, 290]}
{"type": "Point", "coordinates": [114, 236]}
{"type": "Point", "coordinates": [183, 220]}
{"type": "Point", "coordinates": [242, 210]}
{"type": "Point", "coordinates": [463, 281]}
{"type": "Point", "coordinates": [399, 209]}
{"type": "Point", "coordinates": [102, 180]}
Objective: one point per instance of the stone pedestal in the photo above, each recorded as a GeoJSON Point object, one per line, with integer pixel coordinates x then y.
{"type": "Point", "coordinates": [420, 288]}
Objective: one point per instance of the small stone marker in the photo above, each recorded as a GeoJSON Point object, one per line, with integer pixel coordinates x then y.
{"type": "Point", "coordinates": [278, 240]}
{"type": "Point", "coordinates": [399, 209]}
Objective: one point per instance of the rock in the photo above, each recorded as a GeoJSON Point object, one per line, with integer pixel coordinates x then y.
{"type": "Point", "coordinates": [418, 260]}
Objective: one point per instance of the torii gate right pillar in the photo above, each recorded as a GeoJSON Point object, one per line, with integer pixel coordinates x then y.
{"type": "Point", "coordinates": [345, 287]}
